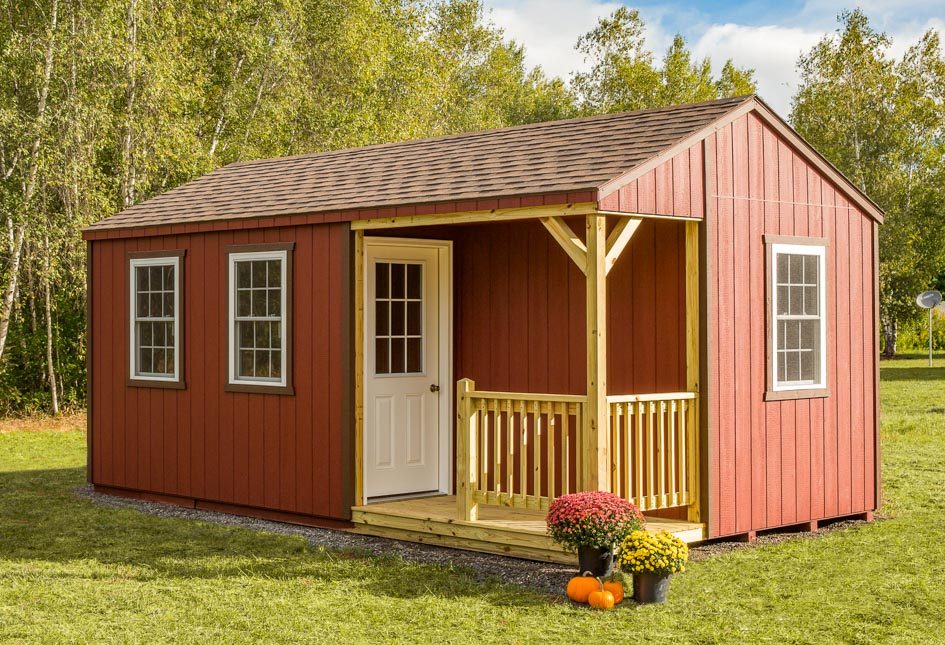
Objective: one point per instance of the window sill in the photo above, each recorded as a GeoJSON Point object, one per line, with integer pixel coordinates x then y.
{"type": "Point", "coordinates": [790, 395]}
{"type": "Point", "coordinates": [246, 388]}
{"type": "Point", "coordinates": [166, 385]}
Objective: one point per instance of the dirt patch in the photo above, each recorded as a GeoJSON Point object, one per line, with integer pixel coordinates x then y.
{"type": "Point", "coordinates": [62, 423]}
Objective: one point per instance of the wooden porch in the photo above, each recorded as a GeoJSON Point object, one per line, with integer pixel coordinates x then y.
{"type": "Point", "coordinates": [511, 531]}
{"type": "Point", "coordinates": [515, 452]}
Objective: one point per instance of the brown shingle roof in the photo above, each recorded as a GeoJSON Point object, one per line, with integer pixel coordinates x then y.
{"type": "Point", "coordinates": [552, 157]}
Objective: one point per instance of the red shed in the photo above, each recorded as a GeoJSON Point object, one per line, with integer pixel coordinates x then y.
{"type": "Point", "coordinates": [432, 340]}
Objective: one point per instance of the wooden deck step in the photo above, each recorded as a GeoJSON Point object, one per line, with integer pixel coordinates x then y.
{"type": "Point", "coordinates": [507, 531]}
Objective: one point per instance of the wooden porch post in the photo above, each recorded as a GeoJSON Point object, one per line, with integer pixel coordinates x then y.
{"type": "Point", "coordinates": [693, 350]}
{"type": "Point", "coordinates": [595, 467]}
{"type": "Point", "coordinates": [466, 470]}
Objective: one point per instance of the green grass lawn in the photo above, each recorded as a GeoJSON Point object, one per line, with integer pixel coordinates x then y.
{"type": "Point", "coordinates": [71, 571]}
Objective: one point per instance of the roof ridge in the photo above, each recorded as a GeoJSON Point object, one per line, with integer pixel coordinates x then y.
{"type": "Point", "coordinates": [566, 155]}
{"type": "Point", "coordinates": [491, 131]}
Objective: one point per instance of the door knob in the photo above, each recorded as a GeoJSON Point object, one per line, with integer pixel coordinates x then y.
{"type": "Point", "coordinates": [434, 388]}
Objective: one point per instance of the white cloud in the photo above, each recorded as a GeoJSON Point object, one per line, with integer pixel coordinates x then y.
{"type": "Point", "coordinates": [770, 50]}
{"type": "Point", "coordinates": [549, 29]}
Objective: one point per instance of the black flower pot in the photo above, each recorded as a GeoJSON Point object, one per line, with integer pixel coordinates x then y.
{"type": "Point", "coordinates": [600, 562]}
{"type": "Point", "coordinates": [650, 588]}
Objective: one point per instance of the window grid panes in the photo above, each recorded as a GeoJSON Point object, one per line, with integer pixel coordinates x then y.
{"type": "Point", "coordinates": [798, 318]}
{"type": "Point", "coordinates": [258, 319]}
{"type": "Point", "coordinates": [398, 316]}
{"type": "Point", "coordinates": [155, 344]}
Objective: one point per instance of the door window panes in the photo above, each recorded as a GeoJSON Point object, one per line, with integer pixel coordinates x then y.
{"type": "Point", "coordinates": [398, 307]}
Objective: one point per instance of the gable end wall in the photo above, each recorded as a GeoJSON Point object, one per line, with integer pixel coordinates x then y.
{"type": "Point", "coordinates": [777, 463]}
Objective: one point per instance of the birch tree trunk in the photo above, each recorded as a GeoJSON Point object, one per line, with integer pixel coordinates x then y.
{"type": "Point", "coordinates": [129, 176]}
{"type": "Point", "coordinates": [50, 363]}
{"type": "Point", "coordinates": [890, 337]}
{"type": "Point", "coordinates": [19, 233]}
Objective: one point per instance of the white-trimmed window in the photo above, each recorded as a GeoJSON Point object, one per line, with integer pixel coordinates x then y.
{"type": "Point", "coordinates": [154, 347]}
{"type": "Point", "coordinates": [259, 287]}
{"type": "Point", "coordinates": [798, 296]}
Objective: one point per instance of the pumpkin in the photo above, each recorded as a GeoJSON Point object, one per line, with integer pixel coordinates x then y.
{"type": "Point", "coordinates": [601, 599]}
{"type": "Point", "coordinates": [615, 587]}
{"type": "Point", "coordinates": [580, 587]}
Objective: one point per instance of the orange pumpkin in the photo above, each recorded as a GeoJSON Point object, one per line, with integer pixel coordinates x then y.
{"type": "Point", "coordinates": [580, 587]}
{"type": "Point", "coordinates": [601, 599]}
{"type": "Point", "coordinates": [615, 587]}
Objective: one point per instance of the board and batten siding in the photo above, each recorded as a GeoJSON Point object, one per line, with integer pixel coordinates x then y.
{"type": "Point", "coordinates": [777, 463]}
{"type": "Point", "coordinates": [673, 188]}
{"type": "Point", "coordinates": [519, 316]}
{"type": "Point", "coordinates": [265, 451]}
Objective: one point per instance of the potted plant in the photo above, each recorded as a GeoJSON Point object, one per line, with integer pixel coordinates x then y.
{"type": "Point", "coordinates": [591, 524]}
{"type": "Point", "coordinates": [652, 559]}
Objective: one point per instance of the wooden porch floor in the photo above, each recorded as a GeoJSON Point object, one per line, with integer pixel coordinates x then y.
{"type": "Point", "coordinates": [507, 531]}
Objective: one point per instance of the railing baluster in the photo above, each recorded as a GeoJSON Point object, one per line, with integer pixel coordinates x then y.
{"type": "Point", "coordinates": [673, 492]}
{"type": "Point", "coordinates": [497, 454]}
{"type": "Point", "coordinates": [510, 423]}
{"type": "Point", "coordinates": [482, 421]}
{"type": "Point", "coordinates": [566, 449]}
{"type": "Point", "coordinates": [576, 464]}
{"type": "Point", "coordinates": [651, 449]}
{"type": "Point", "coordinates": [614, 452]}
{"type": "Point", "coordinates": [523, 450]}
{"type": "Point", "coordinates": [625, 449]}
{"type": "Point", "coordinates": [482, 437]}
{"type": "Point", "coordinates": [683, 446]}
{"type": "Point", "coordinates": [536, 448]}
{"type": "Point", "coordinates": [641, 498]}
{"type": "Point", "coordinates": [661, 456]}
{"type": "Point", "coordinates": [552, 431]}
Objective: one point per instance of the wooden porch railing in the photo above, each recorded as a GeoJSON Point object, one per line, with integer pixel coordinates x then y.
{"type": "Point", "coordinates": [653, 450]}
{"type": "Point", "coordinates": [515, 449]}
{"type": "Point", "coordinates": [523, 450]}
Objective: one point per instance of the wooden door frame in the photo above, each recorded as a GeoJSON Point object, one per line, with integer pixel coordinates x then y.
{"type": "Point", "coordinates": [444, 250]}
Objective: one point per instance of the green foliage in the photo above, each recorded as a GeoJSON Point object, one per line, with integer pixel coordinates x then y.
{"type": "Point", "coordinates": [882, 123]}
{"type": "Point", "coordinates": [625, 76]}
{"type": "Point", "coordinates": [914, 334]}
{"type": "Point", "coordinates": [72, 571]}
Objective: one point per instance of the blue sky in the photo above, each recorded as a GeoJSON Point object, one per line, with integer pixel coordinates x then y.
{"type": "Point", "coordinates": [766, 36]}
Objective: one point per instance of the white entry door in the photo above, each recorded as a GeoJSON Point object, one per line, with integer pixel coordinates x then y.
{"type": "Point", "coordinates": [406, 334]}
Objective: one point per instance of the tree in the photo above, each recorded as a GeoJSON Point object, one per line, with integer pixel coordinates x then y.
{"type": "Point", "coordinates": [105, 103]}
{"type": "Point", "coordinates": [881, 122]}
{"type": "Point", "coordinates": [625, 76]}
{"type": "Point", "coordinates": [23, 148]}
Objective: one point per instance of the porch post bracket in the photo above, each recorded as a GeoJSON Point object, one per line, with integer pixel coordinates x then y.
{"type": "Point", "coordinates": [619, 238]}
{"type": "Point", "coordinates": [568, 241]}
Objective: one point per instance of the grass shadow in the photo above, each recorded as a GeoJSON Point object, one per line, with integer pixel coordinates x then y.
{"type": "Point", "coordinates": [41, 520]}
{"type": "Point", "coordinates": [914, 373]}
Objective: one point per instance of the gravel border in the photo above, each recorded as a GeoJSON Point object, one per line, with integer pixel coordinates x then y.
{"type": "Point", "coordinates": [542, 576]}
